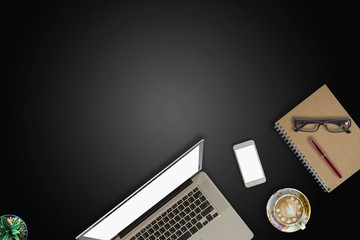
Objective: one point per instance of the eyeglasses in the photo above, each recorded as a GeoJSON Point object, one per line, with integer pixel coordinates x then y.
{"type": "Point", "coordinates": [333, 126]}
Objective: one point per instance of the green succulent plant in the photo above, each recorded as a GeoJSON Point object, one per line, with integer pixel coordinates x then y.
{"type": "Point", "coordinates": [10, 232]}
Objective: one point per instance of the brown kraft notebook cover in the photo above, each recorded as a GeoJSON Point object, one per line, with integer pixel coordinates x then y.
{"type": "Point", "coordinates": [342, 149]}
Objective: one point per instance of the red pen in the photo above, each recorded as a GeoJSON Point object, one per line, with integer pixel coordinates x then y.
{"type": "Point", "coordinates": [325, 157]}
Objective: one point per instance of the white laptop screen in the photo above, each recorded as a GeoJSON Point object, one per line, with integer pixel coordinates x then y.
{"type": "Point", "coordinates": [147, 196]}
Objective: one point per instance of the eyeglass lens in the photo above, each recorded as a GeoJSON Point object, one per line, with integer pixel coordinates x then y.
{"type": "Point", "coordinates": [306, 126]}
{"type": "Point", "coordinates": [337, 126]}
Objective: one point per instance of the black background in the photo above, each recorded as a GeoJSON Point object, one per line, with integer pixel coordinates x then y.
{"type": "Point", "coordinates": [98, 98]}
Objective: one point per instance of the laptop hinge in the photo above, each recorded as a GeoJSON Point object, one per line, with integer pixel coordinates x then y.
{"type": "Point", "coordinates": [154, 208]}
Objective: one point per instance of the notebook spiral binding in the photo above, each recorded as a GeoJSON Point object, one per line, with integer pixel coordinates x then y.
{"type": "Point", "coordinates": [301, 157]}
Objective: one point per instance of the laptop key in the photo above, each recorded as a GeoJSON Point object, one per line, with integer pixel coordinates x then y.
{"type": "Point", "coordinates": [204, 205]}
{"type": "Point", "coordinates": [197, 194]}
{"type": "Point", "coordinates": [193, 230]}
{"type": "Point", "coordinates": [182, 214]}
{"type": "Point", "coordinates": [207, 211]}
{"type": "Point", "coordinates": [188, 225]}
{"type": "Point", "coordinates": [178, 233]}
{"type": "Point", "coordinates": [182, 222]}
{"type": "Point", "coordinates": [209, 217]}
{"type": "Point", "coordinates": [167, 234]}
{"type": "Point", "coordinates": [199, 225]}
{"type": "Point", "coordinates": [185, 236]}
{"type": "Point", "coordinates": [177, 226]}
{"type": "Point", "coordinates": [167, 226]}
{"type": "Point", "coordinates": [197, 210]}
{"type": "Point", "coordinates": [156, 234]}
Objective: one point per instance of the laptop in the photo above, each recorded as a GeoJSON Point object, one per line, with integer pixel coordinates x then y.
{"type": "Point", "coordinates": [181, 202]}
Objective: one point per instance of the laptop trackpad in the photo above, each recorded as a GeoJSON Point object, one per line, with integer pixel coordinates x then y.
{"type": "Point", "coordinates": [214, 195]}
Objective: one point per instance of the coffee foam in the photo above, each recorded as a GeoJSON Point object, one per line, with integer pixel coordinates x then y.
{"type": "Point", "coordinates": [288, 210]}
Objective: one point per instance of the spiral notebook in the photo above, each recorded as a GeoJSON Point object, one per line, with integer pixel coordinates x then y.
{"type": "Point", "coordinates": [342, 149]}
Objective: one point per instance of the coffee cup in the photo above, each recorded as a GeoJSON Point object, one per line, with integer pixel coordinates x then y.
{"type": "Point", "coordinates": [289, 210]}
{"type": "Point", "coordinates": [297, 220]}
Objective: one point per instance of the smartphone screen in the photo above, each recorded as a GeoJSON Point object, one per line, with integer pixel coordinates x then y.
{"type": "Point", "coordinates": [249, 163]}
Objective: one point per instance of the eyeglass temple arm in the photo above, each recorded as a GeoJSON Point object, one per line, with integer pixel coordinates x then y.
{"type": "Point", "coordinates": [342, 127]}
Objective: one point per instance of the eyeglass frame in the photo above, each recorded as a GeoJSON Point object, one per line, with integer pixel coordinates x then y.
{"type": "Point", "coordinates": [323, 122]}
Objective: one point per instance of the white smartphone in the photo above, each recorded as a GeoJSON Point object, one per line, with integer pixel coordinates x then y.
{"type": "Point", "coordinates": [249, 163]}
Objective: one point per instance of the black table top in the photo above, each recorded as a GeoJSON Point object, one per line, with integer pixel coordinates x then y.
{"type": "Point", "coordinates": [99, 98]}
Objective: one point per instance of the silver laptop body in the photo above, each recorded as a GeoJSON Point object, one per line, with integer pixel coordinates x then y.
{"type": "Point", "coordinates": [181, 202]}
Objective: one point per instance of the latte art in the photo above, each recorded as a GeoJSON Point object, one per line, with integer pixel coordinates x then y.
{"type": "Point", "coordinates": [288, 210]}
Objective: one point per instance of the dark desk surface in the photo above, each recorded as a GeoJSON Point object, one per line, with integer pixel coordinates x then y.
{"type": "Point", "coordinates": [98, 99]}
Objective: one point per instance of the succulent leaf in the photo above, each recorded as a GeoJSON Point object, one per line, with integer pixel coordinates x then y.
{"type": "Point", "coordinates": [17, 226]}
{"type": "Point", "coordinates": [7, 237]}
{"type": "Point", "coordinates": [16, 221]}
{"type": "Point", "coordinates": [16, 237]}
{"type": "Point", "coordinates": [5, 223]}
{"type": "Point", "coordinates": [14, 232]}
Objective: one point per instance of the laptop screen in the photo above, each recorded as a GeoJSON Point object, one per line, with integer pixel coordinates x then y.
{"type": "Point", "coordinates": [147, 196]}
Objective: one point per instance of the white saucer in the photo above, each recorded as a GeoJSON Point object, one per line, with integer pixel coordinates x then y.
{"type": "Point", "coordinates": [270, 209]}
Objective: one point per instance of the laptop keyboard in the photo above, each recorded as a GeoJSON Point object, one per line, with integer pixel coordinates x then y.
{"type": "Point", "coordinates": [180, 221]}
